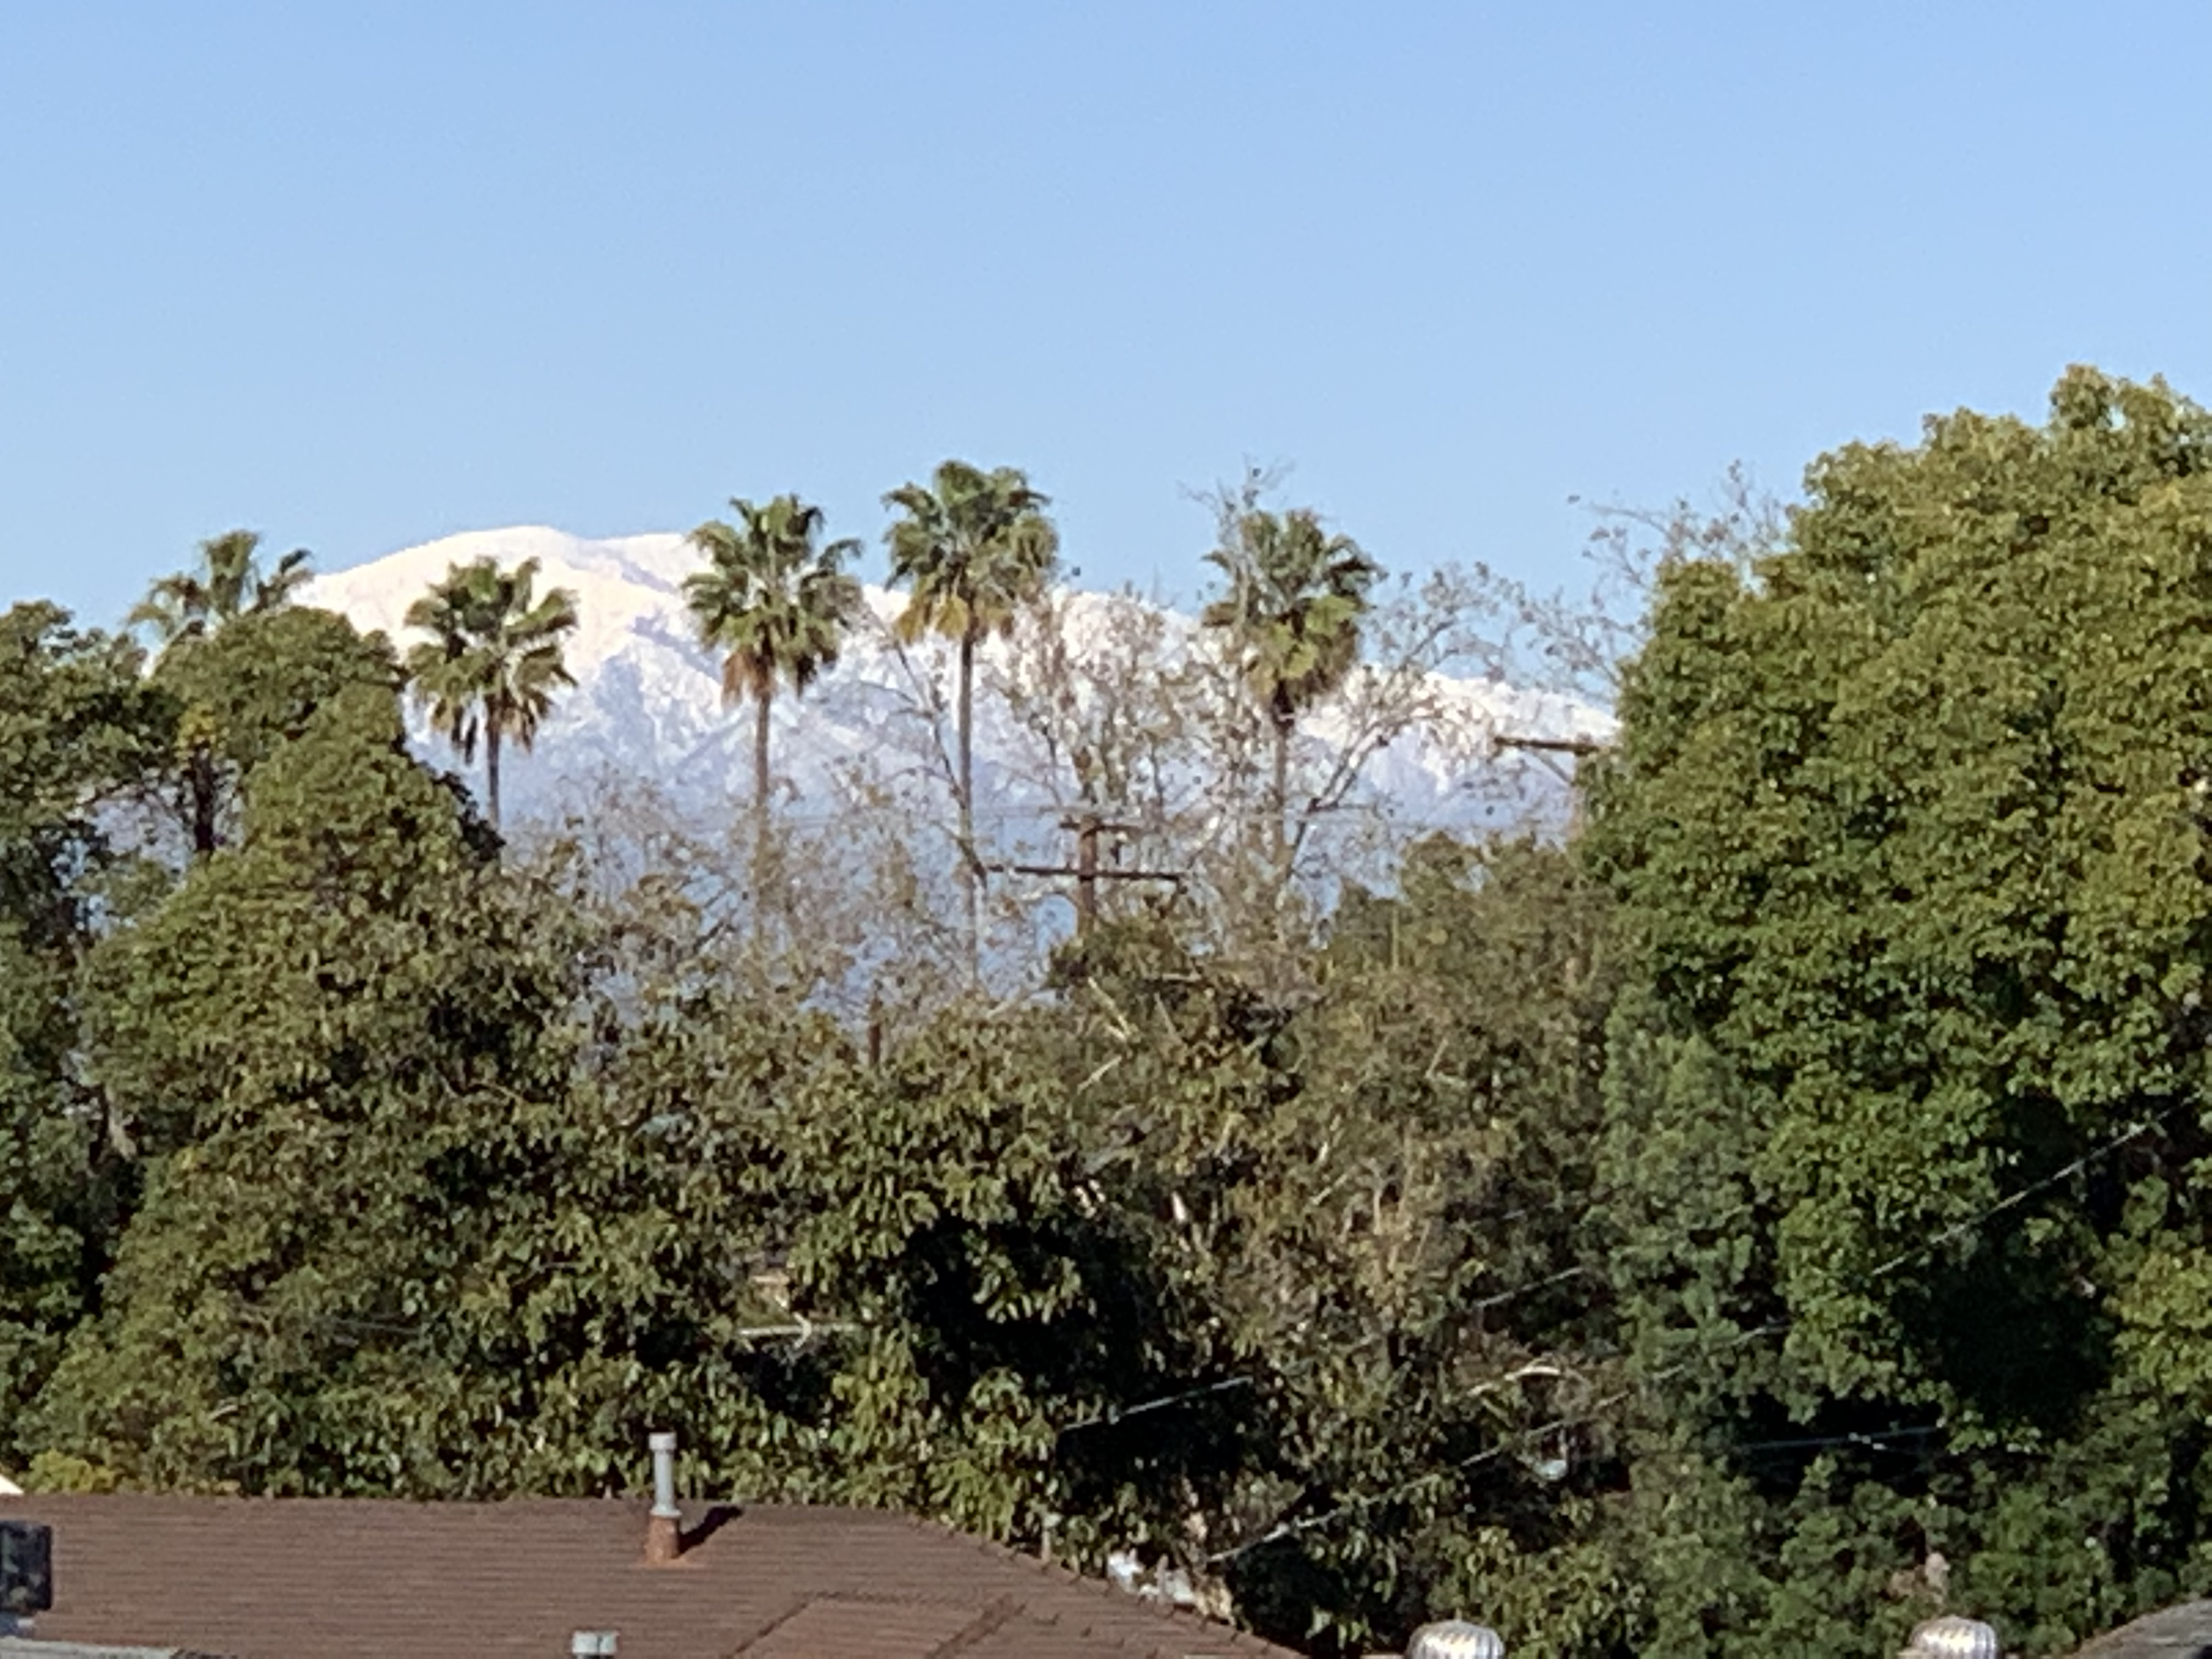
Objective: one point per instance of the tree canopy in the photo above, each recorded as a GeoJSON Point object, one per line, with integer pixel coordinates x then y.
{"type": "Point", "coordinates": [1905, 820]}
{"type": "Point", "coordinates": [973, 548]}
{"type": "Point", "coordinates": [1757, 1216]}
{"type": "Point", "coordinates": [79, 732]}
{"type": "Point", "coordinates": [229, 584]}
{"type": "Point", "coordinates": [775, 601]}
{"type": "Point", "coordinates": [492, 663]}
{"type": "Point", "coordinates": [1294, 598]}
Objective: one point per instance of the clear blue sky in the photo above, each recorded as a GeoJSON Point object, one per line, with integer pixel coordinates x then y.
{"type": "Point", "coordinates": [359, 275]}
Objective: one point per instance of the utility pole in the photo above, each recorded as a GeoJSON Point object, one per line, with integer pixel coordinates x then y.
{"type": "Point", "coordinates": [1086, 871]}
{"type": "Point", "coordinates": [1574, 746]}
{"type": "Point", "coordinates": [1544, 748]}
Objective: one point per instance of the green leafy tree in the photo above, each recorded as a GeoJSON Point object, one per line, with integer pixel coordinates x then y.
{"type": "Point", "coordinates": [1416, 1272]}
{"type": "Point", "coordinates": [1291, 608]}
{"type": "Point", "coordinates": [494, 660]}
{"type": "Point", "coordinates": [775, 601]}
{"type": "Point", "coordinates": [240, 693]}
{"type": "Point", "coordinates": [191, 608]}
{"type": "Point", "coordinates": [1907, 1129]}
{"type": "Point", "coordinates": [459, 1176]}
{"type": "Point", "coordinates": [1276, 1290]}
{"type": "Point", "coordinates": [973, 548]}
{"type": "Point", "coordinates": [430, 1208]}
{"type": "Point", "coordinates": [229, 584]}
{"type": "Point", "coordinates": [79, 732]}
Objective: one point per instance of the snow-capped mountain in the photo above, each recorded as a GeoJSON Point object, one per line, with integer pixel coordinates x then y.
{"type": "Point", "coordinates": [647, 700]}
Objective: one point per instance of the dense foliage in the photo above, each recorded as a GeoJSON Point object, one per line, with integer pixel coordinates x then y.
{"type": "Point", "coordinates": [1771, 1214]}
{"type": "Point", "coordinates": [1908, 1115]}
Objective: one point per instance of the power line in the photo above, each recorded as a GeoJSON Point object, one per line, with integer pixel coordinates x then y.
{"type": "Point", "coordinates": [1086, 870]}
{"type": "Point", "coordinates": [1520, 1291]}
{"type": "Point", "coordinates": [1877, 1440]}
{"type": "Point", "coordinates": [1591, 1413]}
{"type": "Point", "coordinates": [1123, 1413]}
{"type": "Point", "coordinates": [1116, 1414]}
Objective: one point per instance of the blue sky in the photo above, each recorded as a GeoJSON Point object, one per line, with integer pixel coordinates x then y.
{"type": "Point", "coordinates": [362, 275]}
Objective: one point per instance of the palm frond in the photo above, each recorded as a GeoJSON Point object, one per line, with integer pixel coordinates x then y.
{"type": "Point", "coordinates": [772, 598]}
{"type": "Point", "coordinates": [972, 548]}
{"type": "Point", "coordinates": [495, 657]}
{"type": "Point", "coordinates": [229, 584]}
{"type": "Point", "coordinates": [1296, 597]}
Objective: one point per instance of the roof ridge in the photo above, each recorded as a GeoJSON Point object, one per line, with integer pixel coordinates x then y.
{"type": "Point", "coordinates": [966, 1603]}
{"type": "Point", "coordinates": [798, 1604]}
{"type": "Point", "coordinates": [995, 1614]}
{"type": "Point", "coordinates": [1224, 1632]}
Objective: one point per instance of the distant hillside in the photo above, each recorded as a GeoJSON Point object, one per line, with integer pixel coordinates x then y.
{"type": "Point", "coordinates": [647, 701]}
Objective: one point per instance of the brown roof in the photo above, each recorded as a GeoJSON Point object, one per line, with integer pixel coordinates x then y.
{"type": "Point", "coordinates": [350, 1578]}
{"type": "Point", "coordinates": [2177, 1632]}
{"type": "Point", "coordinates": [22, 1647]}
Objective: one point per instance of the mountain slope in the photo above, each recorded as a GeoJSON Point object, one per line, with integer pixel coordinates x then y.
{"type": "Point", "coordinates": [647, 701]}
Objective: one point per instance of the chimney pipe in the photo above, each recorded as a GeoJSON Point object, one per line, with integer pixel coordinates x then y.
{"type": "Point", "coordinates": [664, 1528]}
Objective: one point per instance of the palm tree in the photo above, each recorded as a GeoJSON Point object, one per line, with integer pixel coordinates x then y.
{"type": "Point", "coordinates": [1296, 596]}
{"type": "Point", "coordinates": [493, 662]}
{"type": "Point", "coordinates": [973, 547]}
{"type": "Point", "coordinates": [192, 606]}
{"type": "Point", "coordinates": [776, 604]}
{"type": "Point", "coordinates": [229, 584]}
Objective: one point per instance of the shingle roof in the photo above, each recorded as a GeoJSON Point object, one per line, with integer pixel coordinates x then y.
{"type": "Point", "coordinates": [2175, 1633]}
{"type": "Point", "coordinates": [16, 1647]}
{"type": "Point", "coordinates": [334, 1578]}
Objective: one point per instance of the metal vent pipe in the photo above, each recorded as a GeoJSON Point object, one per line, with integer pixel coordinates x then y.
{"type": "Point", "coordinates": [664, 1473]}
{"type": "Point", "coordinates": [663, 1528]}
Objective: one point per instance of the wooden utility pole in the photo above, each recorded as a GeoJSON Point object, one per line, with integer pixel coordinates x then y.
{"type": "Point", "coordinates": [1574, 746]}
{"type": "Point", "coordinates": [1545, 748]}
{"type": "Point", "coordinates": [1086, 871]}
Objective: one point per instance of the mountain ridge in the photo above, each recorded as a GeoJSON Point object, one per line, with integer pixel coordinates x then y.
{"type": "Point", "coordinates": [647, 700]}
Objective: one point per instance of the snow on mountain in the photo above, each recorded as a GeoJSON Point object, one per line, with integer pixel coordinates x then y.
{"type": "Point", "coordinates": [647, 700]}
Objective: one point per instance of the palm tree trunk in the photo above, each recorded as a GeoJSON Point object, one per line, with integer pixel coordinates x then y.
{"type": "Point", "coordinates": [201, 774]}
{"type": "Point", "coordinates": [761, 784]}
{"type": "Point", "coordinates": [969, 868]}
{"type": "Point", "coordinates": [1279, 795]}
{"type": "Point", "coordinates": [491, 770]}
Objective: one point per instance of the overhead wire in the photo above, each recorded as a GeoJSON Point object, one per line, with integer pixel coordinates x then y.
{"type": "Point", "coordinates": [1115, 1414]}
{"type": "Point", "coordinates": [1592, 1413]}
{"type": "Point", "coordinates": [1877, 1440]}
{"type": "Point", "coordinates": [1112, 1415]}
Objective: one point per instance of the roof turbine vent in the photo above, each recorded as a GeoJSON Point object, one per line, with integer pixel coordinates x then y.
{"type": "Point", "coordinates": [1953, 1637]}
{"type": "Point", "coordinates": [1456, 1639]}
